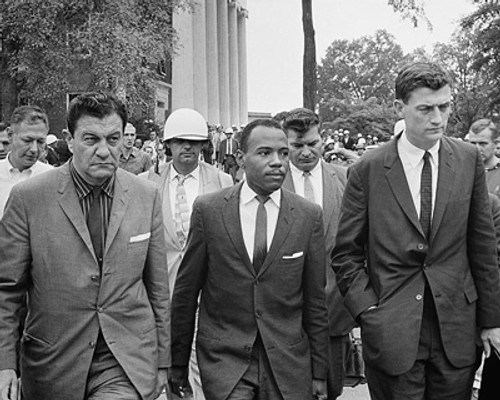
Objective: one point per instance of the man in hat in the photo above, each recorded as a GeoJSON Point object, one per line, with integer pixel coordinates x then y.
{"type": "Point", "coordinates": [181, 180]}
{"type": "Point", "coordinates": [227, 154]}
{"type": "Point", "coordinates": [132, 159]}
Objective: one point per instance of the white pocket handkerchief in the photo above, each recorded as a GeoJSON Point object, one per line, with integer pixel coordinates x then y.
{"type": "Point", "coordinates": [294, 255]}
{"type": "Point", "coordinates": [140, 238]}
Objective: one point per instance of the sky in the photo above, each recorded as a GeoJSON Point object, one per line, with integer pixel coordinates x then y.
{"type": "Point", "coordinates": [275, 39]}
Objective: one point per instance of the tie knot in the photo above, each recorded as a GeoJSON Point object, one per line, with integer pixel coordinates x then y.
{"type": "Point", "coordinates": [262, 199]}
{"type": "Point", "coordinates": [427, 155]}
{"type": "Point", "coordinates": [96, 192]}
{"type": "Point", "coordinates": [307, 174]}
{"type": "Point", "coordinates": [182, 178]}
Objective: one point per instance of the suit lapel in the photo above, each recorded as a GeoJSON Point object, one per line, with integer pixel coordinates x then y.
{"type": "Point", "coordinates": [446, 179]}
{"type": "Point", "coordinates": [399, 185]}
{"type": "Point", "coordinates": [71, 206]}
{"type": "Point", "coordinates": [232, 222]}
{"type": "Point", "coordinates": [208, 182]}
{"type": "Point", "coordinates": [283, 228]}
{"type": "Point", "coordinates": [331, 195]}
{"type": "Point", "coordinates": [120, 203]}
{"type": "Point", "coordinates": [288, 182]}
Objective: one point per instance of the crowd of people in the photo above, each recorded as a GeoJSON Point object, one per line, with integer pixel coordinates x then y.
{"type": "Point", "coordinates": [234, 263]}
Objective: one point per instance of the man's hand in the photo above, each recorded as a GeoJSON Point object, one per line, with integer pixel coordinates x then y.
{"type": "Point", "coordinates": [9, 385]}
{"type": "Point", "coordinates": [491, 338]}
{"type": "Point", "coordinates": [178, 379]}
{"type": "Point", "coordinates": [162, 383]}
{"type": "Point", "coordinates": [319, 389]}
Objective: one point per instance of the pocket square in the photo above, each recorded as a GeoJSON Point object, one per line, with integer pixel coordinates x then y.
{"type": "Point", "coordinates": [294, 255]}
{"type": "Point", "coordinates": [140, 238]}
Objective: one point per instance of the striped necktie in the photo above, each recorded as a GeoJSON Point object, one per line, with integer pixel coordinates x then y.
{"type": "Point", "coordinates": [308, 187]}
{"type": "Point", "coordinates": [181, 213]}
{"type": "Point", "coordinates": [426, 196]}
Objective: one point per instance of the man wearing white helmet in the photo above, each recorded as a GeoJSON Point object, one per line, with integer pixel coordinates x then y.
{"type": "Point", "coordinates": [181, 180]}
{"type": "Point", "coordinates": [132, 159]}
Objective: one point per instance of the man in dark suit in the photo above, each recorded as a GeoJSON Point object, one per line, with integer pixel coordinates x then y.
{"type": "Point", "coordinates": [324, 185]}
{"type": "Point", "coordinates": [228, 149]}
{"type": "Point", "coordinates": [415, 254]}
{"type": "Point", "coordinates": [94, 270]}
{"type": "Point", "coordinates": [256, 253]}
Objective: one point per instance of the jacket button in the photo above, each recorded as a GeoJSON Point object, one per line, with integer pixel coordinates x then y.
{"type": "Point", "coordinates": [92, 344]}
{"type": "Point", "coordinates": [248, 348]}
{"type": "Point", "coordinates": [418, 297]}
{"type": "Point", "coordinates": [420, 246]}
{"type": "Point", "coordinates": [100, 309]}
{"type": "Point", "coordinates": [94, 278]}
{"type": "Point", "coordinates": [257, 314]}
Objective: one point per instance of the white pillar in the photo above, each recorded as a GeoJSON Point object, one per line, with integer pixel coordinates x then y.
{"type": "Point", "coordinates": [223, 51]}
{"type": "Point", "coordinates": [212, 62]}
{"type": "Point", "coordinates": [182, 63]}
{"type": "Point", "coordinates": [242, 64]}
{"type": "Point", "coordinates": [199, 60]}
{"type": "Point", "coordinates": [234, 93]}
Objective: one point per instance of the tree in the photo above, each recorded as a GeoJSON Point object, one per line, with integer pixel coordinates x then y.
{"type": "Point", "coordinates": [309, 63]}
{"type": "Point", "coordinates": [101, 44]}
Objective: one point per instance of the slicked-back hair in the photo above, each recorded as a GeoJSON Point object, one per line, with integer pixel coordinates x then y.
{"type": "Point", "coordinates": [482, 124]}
{"type": "Point", "coordinates": [421, 75]}
{"type": "Point", "coordinates": [29, 114]}
{"type": "Point", "coordinates": [300, 120]}
{"type": "Point", "coordinates": [247, 130]}
{"type": "Point", "coordinates": [95, 104]}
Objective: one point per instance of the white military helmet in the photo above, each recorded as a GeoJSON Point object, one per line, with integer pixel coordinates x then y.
{"type": "Point", "coordinates": [187, 124]}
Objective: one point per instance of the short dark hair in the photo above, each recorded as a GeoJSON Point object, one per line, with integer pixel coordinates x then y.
{"type": "Point", "coordinates": [3, 126]}
{"type": "Point", "coordinates": [300, 120]}
{"type": "Point", "coordinates": [421, 74]}
{"type": "Point", "coordinates": [482, 124]}
{"type": "Point", "coordinates": [29, 114]}
{"type": "Point", "coordinates": [247, 130]}
{"type": "Point", "coordinates": [95, 104]}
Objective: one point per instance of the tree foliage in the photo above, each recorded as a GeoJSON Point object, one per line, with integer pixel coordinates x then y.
{"type": "Point", "coordinates": [107, 44]}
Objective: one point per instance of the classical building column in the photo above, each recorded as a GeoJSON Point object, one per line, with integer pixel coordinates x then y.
{"type": "Point", "coordinates": [234, 93]}
{"type": "Point", "coordinates": [182, 65]}
{"type": "Point", "coordinates": [212, 62]}
{"type": "Point", "coordinates": [223, 51]}
{"type": "Point", "coordinates": [242, 63]}
{"type": "Point", "coordinates": [199, 59]}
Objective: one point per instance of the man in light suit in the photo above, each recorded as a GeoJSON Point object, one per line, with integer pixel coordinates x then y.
{"type": "Point", "coordinates": [185, 133]}
{"type": "Point", "coordinates": [98, 324]}
{"type": "Point", "coordinates": [324, 185]}
{"type": "Point", "coordinates": [256, 253]}
{"type": "Point", "coordinates": [415, 253]}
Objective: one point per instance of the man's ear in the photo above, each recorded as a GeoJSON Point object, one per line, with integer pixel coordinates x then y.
{"type": "Point", "coordinates": [398, 106]}
{"type": "Point", "coordinates": [239, 159]}
{"type": "Point", "coordinates": [10, 133]}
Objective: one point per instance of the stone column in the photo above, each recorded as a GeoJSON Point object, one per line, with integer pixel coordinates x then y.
{"type": "Point", "coordinates": [242, 64]}
{"type": "Point", "coordinates": [212, 62]}
{"type": "Point", "coordinates": [199, 60]}
{"type": "Point", "coordinates": [234, 94]}
{"type": "Point", "coordinates": [223, 51]}
{"type": "Point", "coordinates": [182, 64]}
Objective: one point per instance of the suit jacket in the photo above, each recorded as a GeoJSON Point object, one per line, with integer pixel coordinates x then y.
{"type": "Point", "coordinates": [379, 223]}
{"type": "Point", "coordinates": [222, 156]}
{"type": "Point", "coordinates": [46, 250]}
{"type": "Point", "coordinates": [340, 320]}
{"type": "Point", "coordinates": [284, 303]}
{"type": "Point", "coordinates": [211, 180]}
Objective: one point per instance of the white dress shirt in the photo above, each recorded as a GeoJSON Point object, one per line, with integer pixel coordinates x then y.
{"type": "Point", "coordinates": [191, 186]}
{"type": "Point", "coordinates": [248, 215]}
{"type": "Point", "coordinates": [412, 159]}
{"type": "Point", "coordinates": [9, 176]}
{"type": "Point", "coordinates": [316, 181]}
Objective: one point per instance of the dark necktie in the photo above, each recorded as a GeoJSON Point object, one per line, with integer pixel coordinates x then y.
{"type": "Point", "coordinates": [260, 240]}
{"type": "Point", "coordinates": [95, 224]}
{"type": "Point", "coordinates": [426, 196]}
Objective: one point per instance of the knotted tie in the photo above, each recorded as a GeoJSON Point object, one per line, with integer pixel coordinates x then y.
{"type": "Point", "coordinates": [95, 224]}
{"type": "Point", "coordinates": [260, 240]}
{"type": "Point", "coordinates": [181, 213]}
{"type": "Point", "coordinates": [308, 187]}
{"type": "Point", "coordinates": [426, 196]}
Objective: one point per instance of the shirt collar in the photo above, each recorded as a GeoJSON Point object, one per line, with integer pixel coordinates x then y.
{"type": "Point", "coordinates": [194, 173]}
{"type": "Point", "coordinates": [13, 169]}
{"type": "Point", "coordinates": [415, 154]}
{"type": "Point", "coordinates": [83, 188]}
{"type": "Point", "coordinates": [247, 195]}
{"type": "Point", "coordinates": [296, 172]}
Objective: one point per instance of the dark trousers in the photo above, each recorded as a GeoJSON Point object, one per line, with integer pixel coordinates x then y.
{"type": "Point", "coordinates": [258, 382]}
{"type": "Point", "coordinates": [230, 166]}
{"type": "Point", "coordinates": [490, 381]}
{"type": "Point", "coordinates": [432, 377]}
{"type": "Point", "coordinates": [337, 356]}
